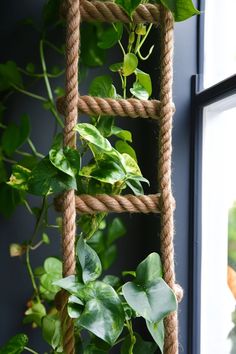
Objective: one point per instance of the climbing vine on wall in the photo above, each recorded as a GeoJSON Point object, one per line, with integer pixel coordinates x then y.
{"type": "Point", "coordinates": [104, 307]}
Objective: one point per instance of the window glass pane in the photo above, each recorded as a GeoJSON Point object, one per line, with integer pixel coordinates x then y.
{"type": "Point", "coordinates": [219, 41]}
{"type": "Point", "coordinates": [218, 264]}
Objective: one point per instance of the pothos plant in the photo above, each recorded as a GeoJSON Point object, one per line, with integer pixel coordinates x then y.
{"type": "Point", "coordinates": [103, 307]}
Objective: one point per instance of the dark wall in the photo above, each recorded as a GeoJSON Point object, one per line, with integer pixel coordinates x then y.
{"type": "Point", "coordinates": [21, 45]}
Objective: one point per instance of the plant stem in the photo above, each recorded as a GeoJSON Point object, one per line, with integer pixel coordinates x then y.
{"type": "Point", "coordinates": [40, 219]}
{"type": "Point", "coordinates": [33, 149]}
{"type": "Point", "coordinates": [41, 76]}
{"type": "Point", "coordinates": [31, 274]}
{"type": "Point", "coordinates": [23, 153]}
{"type": "Point", "coordinates": [132, 337]}
{"type": "Point", "coordinates": [144, 38]}
{"type": "Point", "coordinates": [30, 94]}
{"type": "Point", "coordinates": [51, 45]}
{"type": "Point", "coordinates": [37, 245]}
{"type": "Point", "coordinates": [8, 160]}
{"type": "Point", "coordinates": [47, 83]}
{"type": "Point", "coordinates": [124, 87]}
{"type": "Point", "coordinates": [30, 350]}
{"type": "Point", "coordinates": [28, 207]}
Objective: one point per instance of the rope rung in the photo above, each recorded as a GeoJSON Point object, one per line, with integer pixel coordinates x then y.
{"type": "Point", "coordinates": [107, 11]}
{"type": "Point", "coordinates": [92, 204]}
{"type": "Point", "coordinates": [131, 107]}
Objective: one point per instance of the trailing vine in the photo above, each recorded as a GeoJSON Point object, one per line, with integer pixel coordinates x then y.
{"type": "Point", "coordinates": [104, 307]}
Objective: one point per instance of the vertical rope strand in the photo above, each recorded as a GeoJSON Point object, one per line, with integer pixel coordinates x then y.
{"type": "Point", "coordinates": [69, 211]}
{"type": "Point", "coordinates": [165, 143]}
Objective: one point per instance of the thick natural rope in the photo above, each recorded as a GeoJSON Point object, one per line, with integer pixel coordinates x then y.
{"type": "Point", "coordinates": [107, 11]}
{"type": "Point", "coordinates": [92, 204]}
{"type": "Point", "coordinates": [68, 204]}
{"type": "Point", "coordinates": [130, 107]}
{"type": "Point", "coordinates": [164, 171]}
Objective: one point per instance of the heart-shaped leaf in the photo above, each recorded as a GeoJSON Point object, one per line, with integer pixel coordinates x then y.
{"type": "Point", "coordinates": [103, 314]}
{"type": "Point", "coordinates": [130, 64]}
{"type": "Point", "coordinates": [89, 261]}
{"type": "Point", "coordinates": [148, 294]}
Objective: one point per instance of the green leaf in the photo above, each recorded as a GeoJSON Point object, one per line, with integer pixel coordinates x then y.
{"type": "Point", "coordinates": [66, 160]}
{"type": "Point", "coordinates": [108, 257]}
{"type": "Point", "coordinates": [46, 179]}
{"type": "Point", "coordinates": [35, 314]}
{"type": "Point", "coordinates": [45, 238]}
{"type": "Point", "coordinates": [134, 183]}
{"type": "Point", "coordinates": [51, 331]}
{"type": "Point", "coordinates": [3, 172]}
{"type": "Point", "coordinates": [150, 269]}
{"type": "Point", "coordinates": [128, 5]}
{"type": "Point", "coordinates": [74, 307]}
{"type": "Point", "coordinates": [9, 74]}
{"type": "Point", "coordinates": [144, 79]}
{"type": "Point", "coordinates": [10, 138]}
{"type": "Point", "coordinates": [14, 136]}
{"type": "Point", "coordinates": [89, 261]}
{"type": "Point", "coordinates": [51, 11]}
{"type": "Point", "coordinates": [116, 67]}
{"type": "Point", "coordinates": [106, 170]}
{"type": "Point", "coordinates": [91, 54]}
{"type": "Point", "coordinates": [157, 332]}
{"type": "Point", "coordinates": [115, 231]}
{"type": "Point", "coordinates": [130, 165]}
{"type": "Point", "coordinates": [111, 36]}
{"type": "Point", "coordinates": [181, 9]}
{"type": "Point", "coordinates": [124, 147]}
{"type": "Point", "coordinates": [139, 91]}
{"type": "Point", "coordinates": [52, 272]}
{"type": "Point", "coordinates": [19, 177]}
{"type": "Point", "coordinates": [103, 314]}
{"type": "Point", "coordinates": [130, 64]}
{"type": "Point", "coordinates": [140, 346]}
{"type": "Point", "coordinates": [125, 135]}
{"type": "Point", "coordinates": [153, 302]}
{"type": "Point", "coordinates": [135, 186]}
{"type": "Point", "coordinates": [105, 125]}
{"type": "Point", "coordinates": [30, 67]}
{"type": "Point", "coordinates": [92, 135]}
{"type": "Point", "coordinates": [2, 110]}
{"type": "Point", "coordinates": [53, 265]}
{"type": "Point", "coordinates": [59, 91]}
{"type": "Point", "coordinates": [70, 284]}
{"type": "Point", "coordinates": [112, 280]}
{"type": "Point", "coordinates": [9, 199]}
{"type": "Point", "coordinates": [149, 295]}
{"type": "Point", "coordinates": [15, 345]}
{"type": "Point", "coordinates": [102, 86]}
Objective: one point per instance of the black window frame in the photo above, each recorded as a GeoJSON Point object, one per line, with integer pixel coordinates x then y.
{"type": "Point", "coordinates": [200, 98]}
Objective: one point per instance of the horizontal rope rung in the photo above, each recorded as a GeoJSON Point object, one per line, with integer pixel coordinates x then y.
{"type": "Point", "coordinates": [89, 204]}
{"type": "Point", "coordinates": [130, 107]}
{"type": "Point", "coordinates": [107, 11]}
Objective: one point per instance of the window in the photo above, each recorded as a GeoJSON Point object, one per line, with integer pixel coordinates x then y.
{"type": "Point", "coordinates": [218, 195]}
{"type": "Point", "coordinates": [214, 184]}
{"type": "Point", "coordinates": [219, 41]}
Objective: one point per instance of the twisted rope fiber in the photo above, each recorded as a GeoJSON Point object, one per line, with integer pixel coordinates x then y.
{"type": "Point", "coordinates": [165, 141]}
{"type": "Point", "coordinates": [130, 107]}
{"type": "Point", "coordinates": [68, 204]}
{"type": "Point", "coordinates": [107, 11]}
{"type": "Point", "coordinates": [92, 204]}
